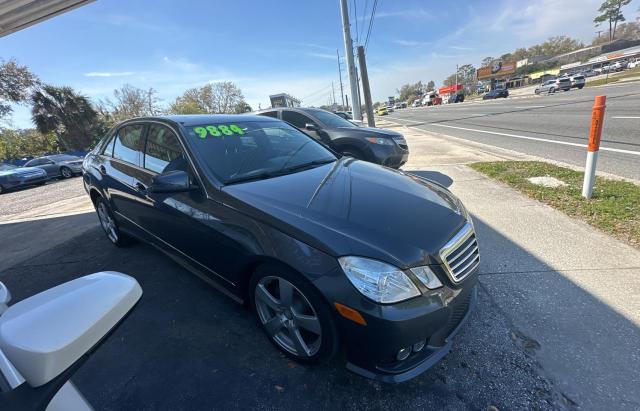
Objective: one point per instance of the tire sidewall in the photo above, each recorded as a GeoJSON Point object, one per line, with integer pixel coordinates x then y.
{"type": "Point", "coordinates": [123, 240]}
{"type": "Point", "coordinates": [62, 170]}
{"type": "Point", "coordinates": [329, 338]}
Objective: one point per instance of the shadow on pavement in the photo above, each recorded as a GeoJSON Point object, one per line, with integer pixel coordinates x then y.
{"type": "Point", "coordinates": [186, 346]}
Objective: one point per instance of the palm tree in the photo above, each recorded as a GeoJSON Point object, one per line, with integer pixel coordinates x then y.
{"type": "Point", "coordinates": [66, 113]}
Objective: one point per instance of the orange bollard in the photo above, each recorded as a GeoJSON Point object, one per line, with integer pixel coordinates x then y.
{"type": "Point", "coordinates": [595, 134]}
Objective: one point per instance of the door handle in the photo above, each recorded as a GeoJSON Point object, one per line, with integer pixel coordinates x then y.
{"type": "Point", "coordinates": [103, 170]}
{"type": "Point", "coordinates": [140, 187]}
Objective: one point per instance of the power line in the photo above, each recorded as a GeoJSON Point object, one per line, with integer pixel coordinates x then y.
{"type": "Point", "coordinates": [316, 92]}
{"type": "Point", "coordinates": [364, 14]}
{"type": "Point", "coordinates": [373, 16]}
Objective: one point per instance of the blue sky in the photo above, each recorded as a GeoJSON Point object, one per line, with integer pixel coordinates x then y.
{"type": "Point", "coordinates": [289, 46]}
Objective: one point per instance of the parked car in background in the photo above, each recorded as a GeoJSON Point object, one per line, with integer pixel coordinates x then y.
{"type": "Point", "coordinates": [589, 73]}
{"type": "Point", "coordinates": [14, 177]}
{"type": "Point", "coordinates": [633, 63]}
{"type": "Point", "coordinates": [375, 145]}
{"type": "Point", "coordinates": [618, 65]}
{"type": "Point", "coordinates": [551, 86]}
{"type": "Point", "coordinates": [577, 81]}
{"type": "Point", "coordinates": [416, 103]}
{"type": "Point", "coordinates": [456, 98]}
{"type": "Point", "coordinates": [333, 255]}
{"type": "Point", "coordinates": [496, 93]}
{"type": "Point", "coordinates": [390, 108]}
{"type": "Point", "coordinates": [58, 165]}
{"type": "Point", "coordinates": [382, 111]}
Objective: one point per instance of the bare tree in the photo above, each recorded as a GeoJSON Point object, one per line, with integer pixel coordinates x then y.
{"type": "Point", "coordinates": [221, 97]}
{"type": "Point", "coordinates": [611, 12]}
{"type": "Point", "coordinates": [129, 102]}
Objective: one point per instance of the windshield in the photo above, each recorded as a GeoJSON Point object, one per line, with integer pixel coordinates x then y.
{"type": "Point", "coordinates": [246, 150]}
{"type": "Point", "coordinates": [330, 120]}
{"type": "Point", "coordinates": [6, 167]}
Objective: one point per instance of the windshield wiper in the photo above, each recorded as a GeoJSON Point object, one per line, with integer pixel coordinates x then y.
{"type": "Point", "coordinates": [268, 174]}
{"type": "Point", "coordinates": [310, 164]}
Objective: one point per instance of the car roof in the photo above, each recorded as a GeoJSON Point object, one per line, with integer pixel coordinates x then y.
{"type": "Point", "coordinates": [188, 120]}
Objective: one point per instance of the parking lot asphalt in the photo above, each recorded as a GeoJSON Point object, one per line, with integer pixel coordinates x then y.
{"type": "Point", "coordinates": [186, 346]}
{"type": "Point", "coordinates": [554, 126]}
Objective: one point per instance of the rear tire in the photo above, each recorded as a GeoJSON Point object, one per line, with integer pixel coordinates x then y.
{"type": "Point", "coordinates": [552, 90]}
{"type": "Point", "coordinates": [293, 314]}
{"type": "Point", "coordinates": [109, 225]}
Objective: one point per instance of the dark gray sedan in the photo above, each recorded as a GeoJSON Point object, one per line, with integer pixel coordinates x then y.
{"type": "Point", "coordinates": [13, 176]}
{"type": "Point", "coordinates": [58, 165]}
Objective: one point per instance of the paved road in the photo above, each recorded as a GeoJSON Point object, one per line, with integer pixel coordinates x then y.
{"type": "Point", "coordinates": [551, 126]}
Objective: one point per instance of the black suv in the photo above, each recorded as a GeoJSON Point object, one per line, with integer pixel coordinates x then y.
{"type": "Point", "coordinates": [375, 145]}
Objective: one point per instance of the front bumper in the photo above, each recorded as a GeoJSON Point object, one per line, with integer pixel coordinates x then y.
{"type": "Point", "coordinates": [390, 156]}
{"type": "Point", "coordinates": [438, 346]}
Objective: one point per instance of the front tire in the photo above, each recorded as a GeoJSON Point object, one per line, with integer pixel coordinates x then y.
{"type": "Point", "coordinates": [292, 314]}
{"type": "Point", "coordinates": [552, 90]}
{"type": "Point", "coordinates": [109, 225]}
{"type": "Point", "coordinates": [66, 172]}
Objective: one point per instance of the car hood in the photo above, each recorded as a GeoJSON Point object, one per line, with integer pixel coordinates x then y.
{"type": "Point", "coordinates": [22, 170]}
{"type": "Point", "coordinates": [352, 207]}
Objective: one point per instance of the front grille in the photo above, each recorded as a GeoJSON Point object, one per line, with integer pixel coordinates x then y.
{"type": "Point", "coordinates": [401, 142]}
{"type": "Point", "coordinates": [461, 254]}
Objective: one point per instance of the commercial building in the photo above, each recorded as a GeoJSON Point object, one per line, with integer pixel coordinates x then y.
{"type": "Point", "coordinates": [283, 100]}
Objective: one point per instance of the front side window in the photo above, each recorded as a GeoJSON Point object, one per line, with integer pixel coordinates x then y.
{"type": "Point", "coordinates": [330, 119]}
{"type": "Point", "coordinates": [254, 149]}
{"type": "Point", "coordinates": [273, 114]}
{"type": "Point", "coordinates": [163, 152]}
{"type": "Point", "coordinates": [297, 119]}
{"type": "Point", "coordinates": [128, 142]}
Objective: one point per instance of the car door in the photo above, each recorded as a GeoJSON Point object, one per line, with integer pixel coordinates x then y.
{"type": "Point", "coordinates": [117, 165]}
{"type": "Point", "coordinates": [50, 167]}
{"type": "Point", "coordinates": [186, 223]}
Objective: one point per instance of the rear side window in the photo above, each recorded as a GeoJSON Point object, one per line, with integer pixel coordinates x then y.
{"type": "Point", "coordinates": [108, 149]}
{"type": "Point", "coordinates": [297, 119]}
{"type": "Point", "coordinates": [273, 114]}
{"type": "Point", "coordinates": [163, 151]}
{"type": "Point", "coordinates": [128, 143]}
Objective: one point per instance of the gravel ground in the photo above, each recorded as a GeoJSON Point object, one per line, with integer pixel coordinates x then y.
{"type": "Point", "coordinates": [21, 200]}
{"type": "Point", "coordinates": [186, 346]}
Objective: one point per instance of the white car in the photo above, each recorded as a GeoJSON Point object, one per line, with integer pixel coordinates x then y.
{"type": "Point", "coordinates": [634, 63]}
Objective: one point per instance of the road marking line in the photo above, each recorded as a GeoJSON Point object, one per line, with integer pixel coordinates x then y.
{"type": "Point", "coordinates": [635, 117]}
{"type": "Point", "coordinates": [546, 140]}
{"type": "Point", "coordinates": [531, 107]}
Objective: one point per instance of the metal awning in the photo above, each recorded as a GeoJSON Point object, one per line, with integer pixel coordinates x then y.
{"type": "Point", "coordinates": [18, 14]}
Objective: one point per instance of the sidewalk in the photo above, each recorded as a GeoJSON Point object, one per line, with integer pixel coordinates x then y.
{"type": "Point", "coordinates": [570, 293]}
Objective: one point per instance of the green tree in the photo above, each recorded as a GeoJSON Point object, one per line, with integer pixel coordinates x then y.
{"type": "Point", "coordinates": [408, 92]}
{"type": "Point", "coordinates": [611, 12]}
{"type": "Point", "coordinates": [431, 85]}
{"type": "Point", "coordinates": [66, 113]}
{"type": "Point", "coordinates": [16, 84]}
{"type": "Point", "coordinates": [129, 102]}
{"type": "Point", "coordinates": [16, 144]}
{"type": "Point", "coordinates": [220, 97]}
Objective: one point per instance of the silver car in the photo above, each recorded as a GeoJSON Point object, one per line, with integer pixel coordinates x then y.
{"type": "Point", "coordinates": [58, 165]}
{"type": "Point", "coordinates": [551, 86]}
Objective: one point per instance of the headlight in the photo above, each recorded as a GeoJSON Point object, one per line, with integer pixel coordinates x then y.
{"type": "Point", "coordinates": [381, 282]}
{"type": "Point", "coordinates": [427, 277]}
{"type": "Point", "coordinates": [381, 141]}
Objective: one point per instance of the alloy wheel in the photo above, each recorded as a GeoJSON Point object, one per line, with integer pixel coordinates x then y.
{"type": "Point", "coordinates": [66, 173]}
{"type": "Point", "coordinates": [107, 223]}
{"type": "Point", "coordinates": [288, 316]}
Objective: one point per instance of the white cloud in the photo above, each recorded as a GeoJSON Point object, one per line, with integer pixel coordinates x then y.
{"type": "Point", "coordinates": [109, 74]}
{"type": "Point", "coordinates": [322, 55]}
{"type": "Point", "coordinates": [411, 43]}
{"type": "Point", "coordinates": [461, 48]}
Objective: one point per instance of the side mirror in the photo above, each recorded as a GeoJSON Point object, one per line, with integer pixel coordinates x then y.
{"type": "Point", "coordinates": [171, 182]}
{"type": "Point", "coordinates": [5, 297]}
{"type": "Point", "coordinates": [44, 335]}
{"type": "Point", "coordinates": [311, 127]}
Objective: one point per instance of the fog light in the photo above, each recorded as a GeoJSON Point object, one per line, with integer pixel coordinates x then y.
{"type": "Point", "coordinates": [403, 353]}
{"type": "Point", "coordinates": [418, 346]}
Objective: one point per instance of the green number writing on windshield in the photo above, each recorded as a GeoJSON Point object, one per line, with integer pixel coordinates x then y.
{"type": "Point", "coordinates": [219, 130]}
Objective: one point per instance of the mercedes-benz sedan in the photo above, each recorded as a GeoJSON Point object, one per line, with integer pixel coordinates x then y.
{"type": "Point", "coordinates": [331, 253]}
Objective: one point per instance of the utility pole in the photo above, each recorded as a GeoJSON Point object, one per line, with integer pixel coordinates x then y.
{"type": "Point", "coordinates": [333, 92]}
{"type": "Point", "coordinates": [456, 75]}
{"type": "Point", "coordinates": [365, 87]}
{"type": "Point", "coordinates": [340, 76]}
{"type": "Point", "coordinates": [347, 97]}
{"type": "Point", "coordinates": [348, 51]}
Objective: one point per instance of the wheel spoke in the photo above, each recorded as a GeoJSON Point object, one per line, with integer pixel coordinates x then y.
{"type": "Point", "coordinates": [308, 322]}
{"type": "Point", "coordinates": [286, 292]}
{"type": "Point", "coordinates": [298, 342]}
{"type": "Point", "coordinates": [273, 326]}
{"type": "Point", "coordinates": [264, 296]}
